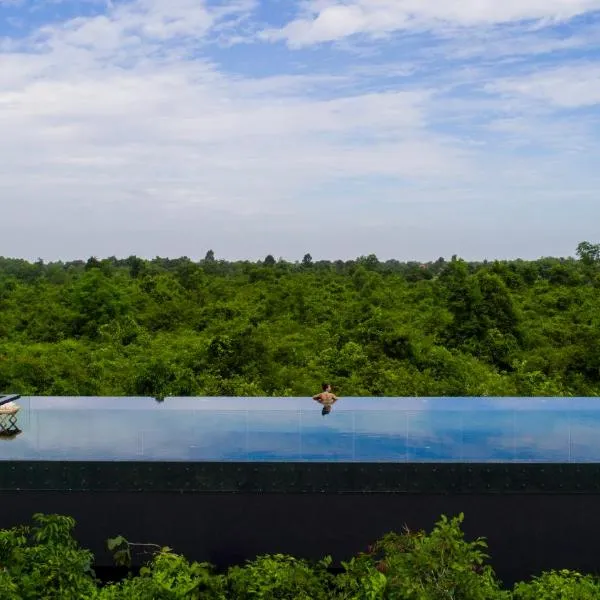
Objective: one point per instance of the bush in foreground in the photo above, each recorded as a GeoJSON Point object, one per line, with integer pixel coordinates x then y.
{"type": "Point", "coordinates": [43, 561]}
{"type": "Point", "coordinates": [559, 585]}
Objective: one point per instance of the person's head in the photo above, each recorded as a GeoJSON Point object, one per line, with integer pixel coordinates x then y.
{"type": "Point", "coordinates": [326, 410]}
{"type": "Point", "coordinates": [326, 387]}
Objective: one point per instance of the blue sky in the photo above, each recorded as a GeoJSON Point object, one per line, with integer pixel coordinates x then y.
{"type": "Point", "coordinates": [411, 129]}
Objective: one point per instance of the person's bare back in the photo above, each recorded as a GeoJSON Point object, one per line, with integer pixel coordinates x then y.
{"type": "Point", "coordinates": [327, 398]}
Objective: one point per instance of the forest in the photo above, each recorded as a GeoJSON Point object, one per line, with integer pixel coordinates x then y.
{"type": "Point", "coordinates": [180, 327]}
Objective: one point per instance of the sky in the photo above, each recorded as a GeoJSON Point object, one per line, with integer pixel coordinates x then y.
{"type": "Point", "coordinates": [409, 129]}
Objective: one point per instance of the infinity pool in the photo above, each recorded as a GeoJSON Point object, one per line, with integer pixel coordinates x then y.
{"type": "Point", "coordinates": [293, 429]}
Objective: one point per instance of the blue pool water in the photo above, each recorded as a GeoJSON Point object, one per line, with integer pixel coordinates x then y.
{"type": "Point", "coordinates": [293, 429]}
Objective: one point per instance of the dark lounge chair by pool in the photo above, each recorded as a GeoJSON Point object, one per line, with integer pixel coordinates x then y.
{"type": "Point", "coordinates": [8, 412]}
{"type": "Point", "coordinates": [5, 399]}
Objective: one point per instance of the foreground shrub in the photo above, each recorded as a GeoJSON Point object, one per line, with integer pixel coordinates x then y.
{"type": "Point", "coordinates": [169, 577]}
{"type": "Point", "coordinates": [559, 585]}
{"type": "Point", "coordinates": [280, 577]}
{"type": "Point", "coordinates": [361, 580]}
{"type": "Point", "coordinates": [441, 565]}
{"type": "Point", "coordinates": [44, 562]}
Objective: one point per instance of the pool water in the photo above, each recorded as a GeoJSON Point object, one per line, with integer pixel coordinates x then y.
{"type": "Point", "coordinates": [293, 430]}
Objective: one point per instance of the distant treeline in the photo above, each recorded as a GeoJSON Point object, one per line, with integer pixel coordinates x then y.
{"type": "Point", "coordinates": [178, 327]}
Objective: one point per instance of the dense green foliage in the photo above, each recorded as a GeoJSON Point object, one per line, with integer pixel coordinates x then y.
{"type": "Point", "coordinates": [177, 327]}
{"type": "Point", "coordinates": [44, 562]}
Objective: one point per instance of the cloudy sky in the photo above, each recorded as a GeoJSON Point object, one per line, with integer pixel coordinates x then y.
{"type": "Point", "coordinates": [411, 129]}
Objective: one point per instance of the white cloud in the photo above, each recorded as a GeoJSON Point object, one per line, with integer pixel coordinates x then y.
{"type": "Point", "coordinates": [214, 137]}
{"type": "Point", "coordinates": [102, 117]}
{"type": "Point", "coordinates": [331, 20]}
{"type": "Point", "coordinates": [570, 86]}
{"type": "Point", "coordinates": [120, 136]}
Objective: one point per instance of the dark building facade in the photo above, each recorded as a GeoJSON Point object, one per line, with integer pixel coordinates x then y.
{"type": "Point", "coordinates": [534, 516]}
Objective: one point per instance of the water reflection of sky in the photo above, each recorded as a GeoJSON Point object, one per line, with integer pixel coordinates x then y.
{"type": "Point", "coordinates": [293, 429]}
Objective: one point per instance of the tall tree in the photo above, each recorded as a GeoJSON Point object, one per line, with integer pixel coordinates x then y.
{"type": "Point", "coordinates": [588, 253]}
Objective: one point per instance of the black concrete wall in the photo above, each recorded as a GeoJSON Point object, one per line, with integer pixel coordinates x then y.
{"type": "Point", "coordinates": [526, 533]}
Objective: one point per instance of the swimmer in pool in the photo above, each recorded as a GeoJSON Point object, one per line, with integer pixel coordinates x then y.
{"type": "Point", "coordinates": [327, 398]}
